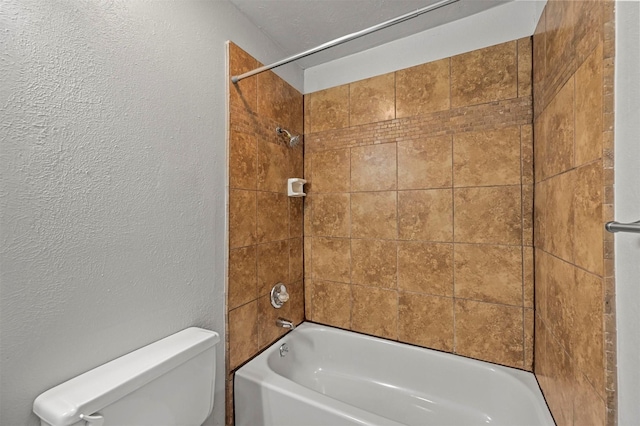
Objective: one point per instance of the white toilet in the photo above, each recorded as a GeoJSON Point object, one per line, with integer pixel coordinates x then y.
{"type": "Point", "coordinates": [167, 383]}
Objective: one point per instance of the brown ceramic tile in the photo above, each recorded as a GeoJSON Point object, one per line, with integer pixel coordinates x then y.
{"type": "Point", "coordinates": [484, 75]}
{"type": "Point", "coordinates": [243, 333]}
{"type": "Point", "coordinates": [273, 265]}
{"type": "Point", "coordinates": [331, 215]}
{"type": "Point", "coordinates": [539, 63]}
{"type": "Point", "coordinates": [331, 259]}
{"type": "Point", "coordinates": [273, 217]}
{"type": "Point", "coordinates": [559, 216]}
{"type": "Point", "coordinates": [528, 339]}
{"type": "Point", "coordinates": [242, 218]}
{"type": "Point", "coordinates": [308, 298]}
{"type": "Point", "coordinates": [271, 103]}
{"type": "Point", "coordinates": [539, 147]}
{"type": "Point", "coordinates": [296, 159]}
{"type": "Point", "coordinates": [489, 332]}
{"type": "Point", "coordinates": [525, 63]}
{"type": "Point", "coordinates": [560, 285]}
{"type": "Point", "coordinates": [296, 217]}
{"type": "Point", "coordinates": [373, 263]}
{"type": "Point", "coordinates": [426, 321]}
{"type": "Point", "coordinates": [588, 27]}
{"type": "Point", "coordinates": [589, 109]}
{"type": "Point", "coordinates": [425, 215]}
{"type": "Point", "coordinates": [294, 109]}
{"type": "Point", "coordinates": [373, 167]}
{"type": "Point", "coordinates": [296, 302]}
{"type": "Point", "coordinates": [373, 215]}
{"type": "Point", "coordinates": [422, 89]}
{"type": "Point", "coordinates": [489, 215]}
{"type": "Point", "coordinates": [307, 116]}
{"type": "Point", "coordinates": [244, 92]}
{"type": "Point", "coordinates": [331, 171]}
{"type": "Point", "coordinates": [243, 286]}
{"type": "Point", "coordinates": [425, 163]}
{"type": "Point", "coordinates": [242, 160]}
{"type": "Point", "coordinates": [560, 383]}
{"type": "Point", "coordinates": [558, 129]}
{"type": "Point", "coordinates": [375, 311]}
{"type": "Point", "coordinates": [307, 256]}
{"type": "Point", "coordinates": [528, 276]}
{"type": "Point", "coordinates": [425, 268]}
{"type": "Point", "coordinates": [268, 331]}
{"type": "Point", "coordinates": [526, 141]}
{"type": "Point", "coordinates": [542, 270]}
{"type": "Point", "coordinates": [272, 167]}
{"type": "Point", "coordinates": [308, 214]}
{"type": "Point", "coordinates": [540, 212]}
{"type": "Point", "coordinates": [488, 157]}
{"type": "Point", "coordinates": [306, 158]}
{"type": "Point", "coordinates": [589, 409]}
{"type": "Point", "coordinates": [488, 273]}
{"type": "Point", "coordinates": [280, 102]}
{"type": "Point", "coordinates": [296, 261]}
{"type": "Point", "coordinates": [559, 36]}
{"type": "Point", "coordinates": [527, 215]}
{"type": "Point", "coordinates": [332, 304]}
{"type": "Point", "coordinates": [372, 100]}
{"type": "Point", "coordinates": [328, 109]}
{"type": "Point", "coordinates": [539, 346]}
{"type": "Point", "coordinates": [588, 224]}
{"type": "Point", "coordinates": [587, 341]}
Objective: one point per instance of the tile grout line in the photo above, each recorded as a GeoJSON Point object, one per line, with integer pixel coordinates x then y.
{"type": "Point", "coordinates": [395, 116]}
{"type": "Point", "coordinates": [522, 277]}
{"type": "Point", "coordinates": [351, 294]}
{"type": "Point", "coordinates": [255, 192]}
{"type": "Point", "coordinates": [454, 347]}
{"type": "Point", "coordinates": [453, 226]}
{"type": "Point", "coordinates": [397, 217]}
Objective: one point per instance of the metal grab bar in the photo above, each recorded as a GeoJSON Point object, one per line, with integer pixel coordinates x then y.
{"type": "Point", "coordinates": [614, 226]}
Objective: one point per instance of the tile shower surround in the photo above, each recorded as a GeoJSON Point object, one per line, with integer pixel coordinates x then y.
{"type": "Point", "coordinates": [427, 119]}
{"type": "Point", "coordinates": [418, 219]}
{"type": "Point", "coordinates": [573, 52]}
{"type": "Point", "coordinates": [265, 225]}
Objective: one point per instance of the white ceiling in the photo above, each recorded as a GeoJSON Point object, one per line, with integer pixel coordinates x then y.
{"type": "Point", "coordinates": [299, 25]}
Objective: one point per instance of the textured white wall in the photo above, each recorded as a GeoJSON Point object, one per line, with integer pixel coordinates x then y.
{"type": "Point", "coordinates": [499, 24]}
{"type": "Point", "coordinates": [112, 182]}
{"type": "Point", "coordinates": [627, 208]}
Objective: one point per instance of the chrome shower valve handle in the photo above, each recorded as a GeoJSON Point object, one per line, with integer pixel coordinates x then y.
{"type": "Point", "coordinates": [279, 295]}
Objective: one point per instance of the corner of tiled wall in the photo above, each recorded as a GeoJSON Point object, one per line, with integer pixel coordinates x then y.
{"type": "Point", "coordinates": [265, 225]}
{"type": "Point", "coordinates": [573, 127]}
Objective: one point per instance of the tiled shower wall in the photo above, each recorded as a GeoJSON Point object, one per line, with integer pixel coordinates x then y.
{"type": "Point", "coordinates": [265, 225]}
{"type": "Point", "coordinates": [575, 326]}
{"type": "Point", "coordinates": [418, 219]}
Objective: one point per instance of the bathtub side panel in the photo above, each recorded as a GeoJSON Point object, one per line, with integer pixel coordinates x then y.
{"type": "Point", "coordinates": [275, 404]}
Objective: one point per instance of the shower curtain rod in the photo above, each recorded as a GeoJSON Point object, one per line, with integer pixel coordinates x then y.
{"type": "Point", "coordinates": [236, 78]}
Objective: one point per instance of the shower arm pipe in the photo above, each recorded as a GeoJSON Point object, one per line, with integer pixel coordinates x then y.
{"type": "Point", "coordinates": [340, 40]}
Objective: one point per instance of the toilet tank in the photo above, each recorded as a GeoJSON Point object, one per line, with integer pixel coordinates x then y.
{"type": "Point", "coordinates": [169, 382]}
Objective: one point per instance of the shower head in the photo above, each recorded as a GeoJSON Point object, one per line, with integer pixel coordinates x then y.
{"type": "Point", "coordinates": [293, 140]}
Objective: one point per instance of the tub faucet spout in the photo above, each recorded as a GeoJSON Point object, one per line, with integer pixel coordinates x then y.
{"type": "Point", "coordinates": [281, 322]}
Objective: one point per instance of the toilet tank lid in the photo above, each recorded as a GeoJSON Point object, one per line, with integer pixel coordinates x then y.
{"type": "Point", "coordinates": [102, 386]}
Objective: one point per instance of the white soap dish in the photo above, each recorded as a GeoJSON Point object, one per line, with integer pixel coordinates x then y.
{"type": "Point", "coordinates": [295, 187]}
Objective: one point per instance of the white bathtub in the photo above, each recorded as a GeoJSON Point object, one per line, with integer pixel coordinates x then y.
{"type": "Point", "coordinates": [332, 377]}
